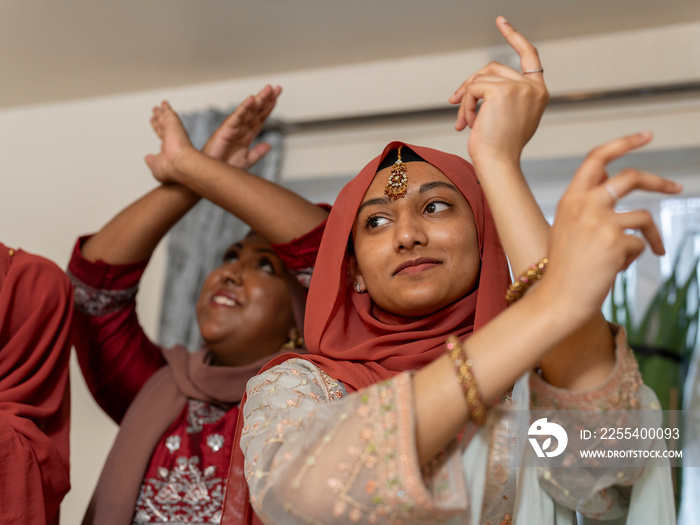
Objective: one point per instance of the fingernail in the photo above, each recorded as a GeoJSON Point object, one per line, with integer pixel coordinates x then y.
{"type": "Point", "coordinates": [503, 19]}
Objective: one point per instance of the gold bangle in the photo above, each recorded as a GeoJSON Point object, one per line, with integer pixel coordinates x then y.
{"type": "Point", "coordinates": [463, 366]}
{"type": "Point", "coordinates": [522, 283]}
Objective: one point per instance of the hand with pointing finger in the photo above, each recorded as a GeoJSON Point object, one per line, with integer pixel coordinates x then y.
{"type": "Point", "coordinates": [589, 241]}
{"type": "Point", "coordinates": [512, 102]}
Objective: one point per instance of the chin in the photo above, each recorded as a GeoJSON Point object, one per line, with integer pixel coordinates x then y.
{"type": "Point", "coordinates": [212, 339]}
{"type": "Point", "coordinates": [416, 307]}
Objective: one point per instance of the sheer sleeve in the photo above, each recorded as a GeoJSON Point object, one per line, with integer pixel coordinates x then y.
{"type": "Point", "coordinates": [115, 355]}
{"type": "Point", "coordinates": [315, 454]}
{"type": "Point", "coordinates": [598, 489]}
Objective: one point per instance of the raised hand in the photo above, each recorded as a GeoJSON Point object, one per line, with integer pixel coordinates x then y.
{"type": "Point", "coordinates": [232, 140]}
{"type": "Point", "coordinates": [174, 141]}
{"type": "Point", "coordinates": [590, 241]}
{"type": "Point", "coordinates": [512, 102]}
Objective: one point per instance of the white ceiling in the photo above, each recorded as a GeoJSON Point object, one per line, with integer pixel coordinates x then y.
{"type": "Point", "coordinates": [70, 49]}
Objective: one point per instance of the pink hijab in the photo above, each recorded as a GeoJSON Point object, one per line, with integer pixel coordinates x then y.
{"type": "Point", "coordinates": [354, 341]}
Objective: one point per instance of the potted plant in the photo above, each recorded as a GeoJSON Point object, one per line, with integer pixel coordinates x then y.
{"type": "Point", "coordinates": [666, 336]}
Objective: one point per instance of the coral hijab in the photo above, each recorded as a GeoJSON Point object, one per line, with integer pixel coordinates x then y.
{"type": "Point", "coordinates": [356, 342]}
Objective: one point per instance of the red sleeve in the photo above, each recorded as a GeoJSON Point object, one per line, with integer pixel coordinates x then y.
{"type": "Point", "coordinates": [35, 319]}
{"type": "Point", "coordinates": [299, 255]}
{"type": "Point", "coordinates": [115, 355]}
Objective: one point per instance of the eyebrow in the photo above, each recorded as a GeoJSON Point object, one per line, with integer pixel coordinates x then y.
{"type": "Point", "coordinates": [239, 246]}
{"type": "Point", "coordinates": [428, 186]}
{"type": "Point", "coordinates": [437, 184]}
{"type": "Point", "coordinates": [373, 202]}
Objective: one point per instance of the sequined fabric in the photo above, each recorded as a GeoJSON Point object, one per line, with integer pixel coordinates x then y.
{"type": "Point", "coordinates": [97, 302]}
{"type": "Point", "coordinates": [186, 477]}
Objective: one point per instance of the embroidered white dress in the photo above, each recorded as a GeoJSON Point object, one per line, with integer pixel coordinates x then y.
{"type": "Point", "coordinates": [315, 454]}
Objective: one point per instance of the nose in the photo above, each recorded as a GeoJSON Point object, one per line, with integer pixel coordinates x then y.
{"type": "Point", "coordinates": [408, 232]}
{"type": "Point", "coordinates": [231, 272]}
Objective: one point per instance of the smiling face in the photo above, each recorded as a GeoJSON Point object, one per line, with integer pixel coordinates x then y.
{"type": "Point", "coordinates": [418, 254]}
{"type": "Point", "coordinates": [244, 309]}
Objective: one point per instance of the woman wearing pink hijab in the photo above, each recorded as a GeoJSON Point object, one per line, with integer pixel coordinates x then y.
{"type": "Point", "coordinates": [400, 412]}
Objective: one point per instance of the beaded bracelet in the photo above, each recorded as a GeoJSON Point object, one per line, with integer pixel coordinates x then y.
{"type": "Point", "coordinates": [522, 283]}
{"type": "Point", "coordinates": [463, 366]}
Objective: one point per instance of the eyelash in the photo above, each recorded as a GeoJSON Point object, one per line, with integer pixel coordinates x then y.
{"type": "Point", "coordinates": [370, 219]}
{"type": "Point", "coordinates": [373, 217]}
{"type": "Point", "coordinates": [262, 263]}
{"type": "Point", "coordinates": [229, 256]}
{"type": "Point", "coordinates": [438, 201]}
{"type": "Point", "coordinates": [268, 263]}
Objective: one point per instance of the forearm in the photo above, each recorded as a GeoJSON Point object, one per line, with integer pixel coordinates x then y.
{"type": "Point", "coordinates": [133, 234]}
{"type": "Point", "coordinates": [584, 358]}
{"type": "Point", "coordinates": [522, 229]}
{"type": "Point", "coordinates": [501, 351]}
{"type": "Point", "coordinates": [274, 212]}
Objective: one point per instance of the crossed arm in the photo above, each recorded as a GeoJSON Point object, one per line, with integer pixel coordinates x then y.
{"type": "Point", "coordinates": [217, 173]}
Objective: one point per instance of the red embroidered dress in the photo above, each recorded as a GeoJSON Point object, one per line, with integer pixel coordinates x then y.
{"type": "Point", "coordinates": [185, 479]}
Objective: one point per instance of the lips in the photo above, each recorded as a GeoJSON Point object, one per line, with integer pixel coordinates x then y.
{"type": "Point", "coordinates": [416, 265]}
{"type": "Point", "coordinates": [224, 298]}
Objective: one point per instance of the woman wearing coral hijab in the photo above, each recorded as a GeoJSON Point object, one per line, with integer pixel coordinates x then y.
{"type": "Point", "coordinates": [400, 413]}
{"type": "Point", "coordinates": [35, 320]}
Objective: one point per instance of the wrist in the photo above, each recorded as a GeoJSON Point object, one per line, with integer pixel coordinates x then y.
{"type": "Point", "coordinates": [183, 162]}
{"type": "Point", "coordinates": [569, 314]}
{"type": "Point", "coordinates": [551, 307]}
{"type": "Point", "coordinates": [498, 163]}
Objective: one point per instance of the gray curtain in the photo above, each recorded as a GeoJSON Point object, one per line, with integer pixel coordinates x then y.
{"type": "Point", "coordinates": [198, 241]}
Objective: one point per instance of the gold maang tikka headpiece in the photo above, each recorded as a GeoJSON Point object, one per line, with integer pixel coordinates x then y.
{"type": "Point", "coordinates": [397, 185]}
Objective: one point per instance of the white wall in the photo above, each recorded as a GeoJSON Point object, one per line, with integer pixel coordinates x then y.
{"type": "Point", "coordinates": [67, 168]}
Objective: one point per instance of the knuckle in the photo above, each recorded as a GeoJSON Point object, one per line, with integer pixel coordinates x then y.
{"type": "Point", "coordinates": [646, 218]}
{"type": "Point", "coordinates": [635, 248]}
{"type": "Point", "coordinates": [610, 238]}
{"type": "Point", "coordinates": [595, 152]}
{"type": "Point", "coordinates": [510, 89]}
{"type": "Point", "coordinates": [629, 174]}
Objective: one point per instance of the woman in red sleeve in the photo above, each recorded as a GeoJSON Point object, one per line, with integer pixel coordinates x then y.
{"type": "Point", "coordinates": [177, 411]}
{"type": "Point", "coordinates": [35, 319]}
